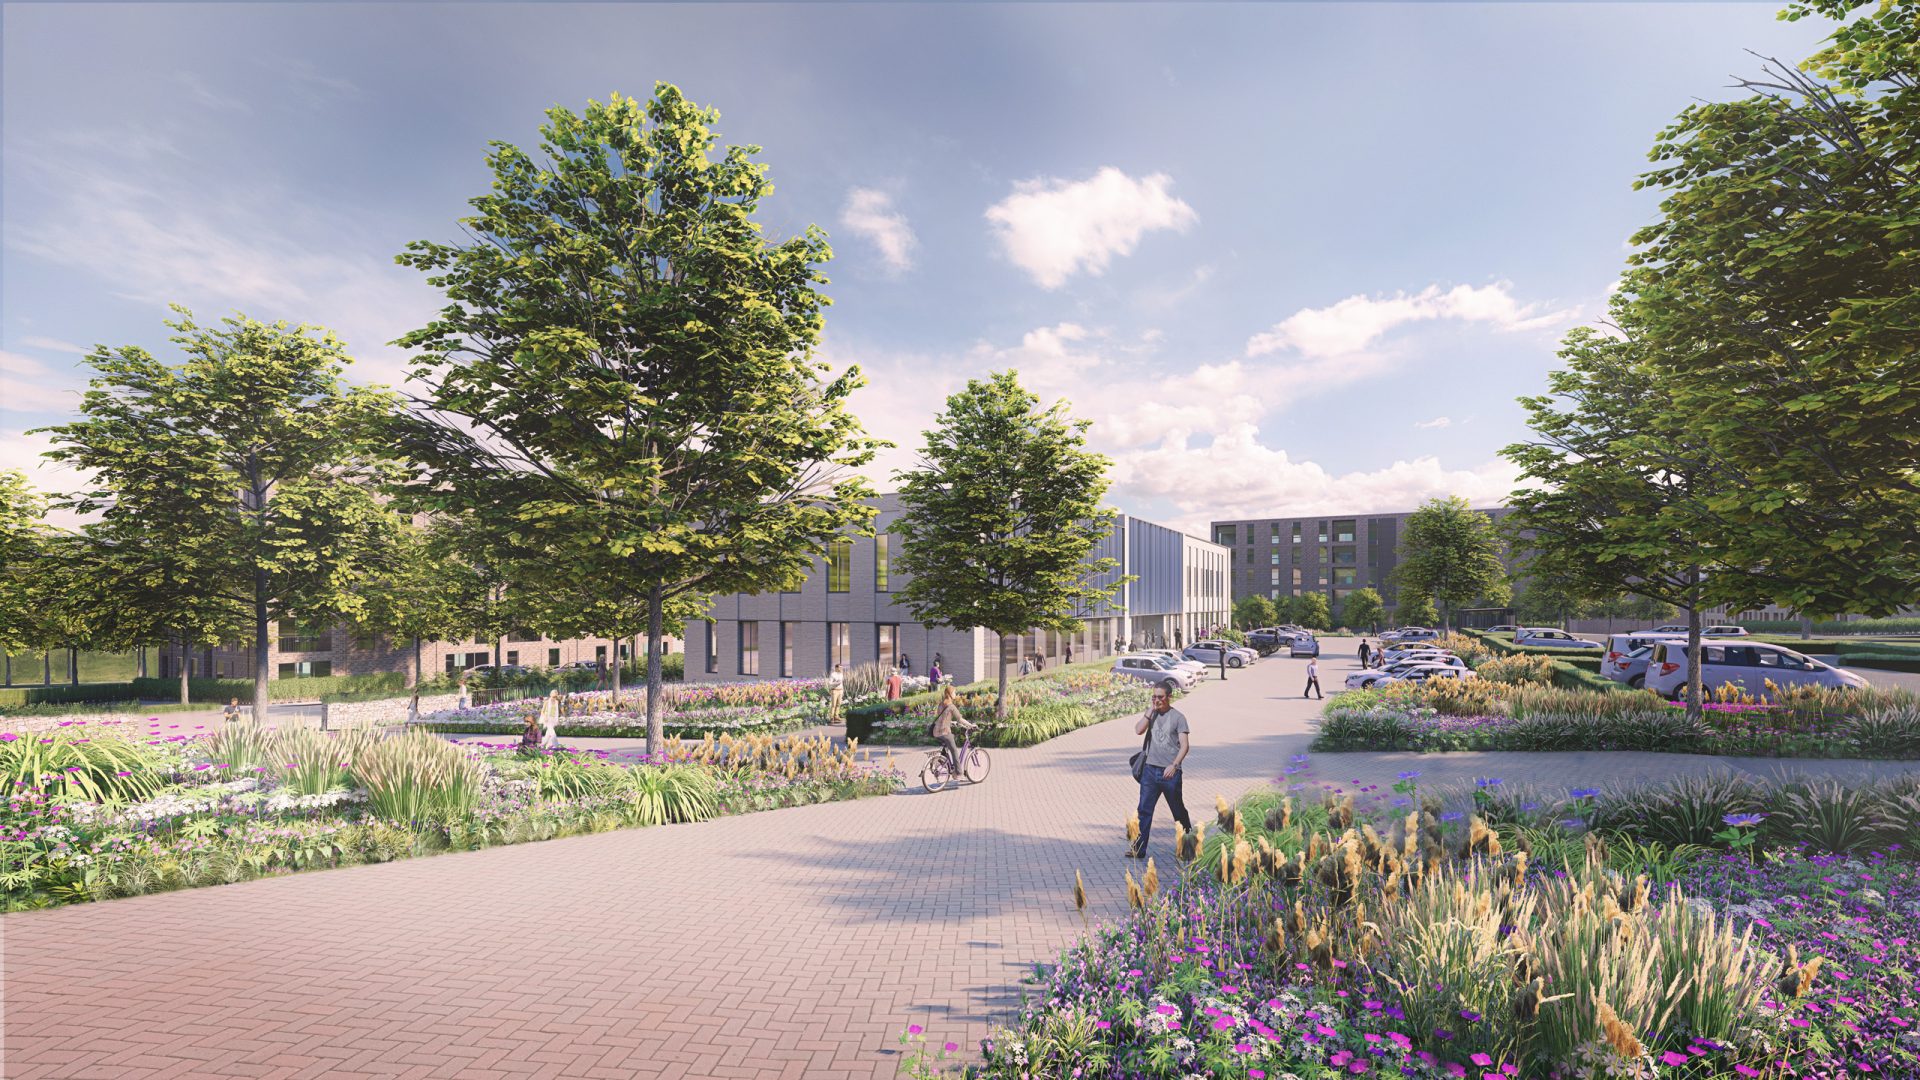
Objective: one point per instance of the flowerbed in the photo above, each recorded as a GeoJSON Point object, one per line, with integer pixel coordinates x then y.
{"type": "Point", "coordinates": [729, 720]}
{"type": "Point", "coordinates": [94, 812]}
{"type": "Point", "coordinates": [1488, 715]}
{"type": "Point", "coordinates": [1302, 941]}
{"type": "Point", "coordinates": [1038, 710]}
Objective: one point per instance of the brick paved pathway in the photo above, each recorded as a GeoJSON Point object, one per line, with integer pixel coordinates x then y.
{"type": "Point", "coordinates": [785, 944]}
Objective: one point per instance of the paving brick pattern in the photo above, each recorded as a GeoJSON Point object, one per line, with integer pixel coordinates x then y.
{"type": "Point", "coordinates": [793, 943]}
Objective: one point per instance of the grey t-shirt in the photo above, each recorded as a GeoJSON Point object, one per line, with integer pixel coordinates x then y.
{"type": "Point", "coordinates": [1164, 738]}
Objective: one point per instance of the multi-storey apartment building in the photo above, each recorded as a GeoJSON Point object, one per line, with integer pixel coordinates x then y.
{"type": "Point", "coordinates": [845, 612]}
{"type": "Point", "coordinates": [1331, 554]}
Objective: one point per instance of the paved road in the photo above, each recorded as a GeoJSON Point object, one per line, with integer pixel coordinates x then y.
{"type": "Point", "coordinates": [793, 943]}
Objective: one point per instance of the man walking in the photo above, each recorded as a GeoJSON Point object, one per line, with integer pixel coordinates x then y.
{"type": "Point", "coordinates": [1313, 677]}
{"type": "Point", "coordinates": [1365, 652]}
{"type": "Point", "coordinates": [1167, 742]}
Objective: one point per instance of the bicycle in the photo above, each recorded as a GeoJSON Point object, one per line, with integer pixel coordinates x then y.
{"type": "Point", "coordinates": [974, 766]}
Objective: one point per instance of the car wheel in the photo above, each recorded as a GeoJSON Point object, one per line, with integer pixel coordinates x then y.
{"type": "Point", "coordinates": [1638, 682]}
{"type": "Point", "coordinates": [1236, 662]}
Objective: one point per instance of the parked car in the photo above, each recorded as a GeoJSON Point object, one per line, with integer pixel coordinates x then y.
{"type": "Point", "coordinates": [1156, 671]}
{"type": "Point", "coordinates": [1411, 633]}
{"type": "Point", "coordinates": [1546, 637]}
{"type": "Point", "coordinates": [1361, 680]}
{"type": "Point", "coordinates": [1627, 655]}
{"type": "Point", "coordinates": [1394, 654]}
{"type": "Point", "coordinates": [1503, 628]}
{"type": "Point", "coordinates": [580, 665]}
{"type": "Point", "coordinates": [1305, 645]}
{"type": "Point", "coordinates": [1208, 652]}
{"type": "Point", "coordinates": [1200, 670]}
{"type": "Point", "coordinates": [1749, 665]}
{"type": "Point", "coordinates": [1670, 628]}
{"type": "Point", "coordinates": [1723, 631]}
{"type": "Point", "coordinates": [1423, 672]}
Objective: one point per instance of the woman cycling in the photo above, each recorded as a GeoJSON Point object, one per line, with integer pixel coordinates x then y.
{"type": "Point", "coordinates": [944, 719]}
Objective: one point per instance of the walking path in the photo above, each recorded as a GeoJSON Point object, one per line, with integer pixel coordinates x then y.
{"type": "Point", "coordinates": [793, 943]}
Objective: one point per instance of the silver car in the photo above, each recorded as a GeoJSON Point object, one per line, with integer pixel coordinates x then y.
{"type": "Point", "coordinates": [1208, 652]}
{"type": "Point", "coordinates": [1154, 670]}
{"type": "Point", "coordinates": [1546, 637]}
{"type": "Point", "coordinates": [1627, 655]}
{"type": "Point", "coordinates": [1200, 670]}
{"type": "Point", "coordinates": [1749, 665]}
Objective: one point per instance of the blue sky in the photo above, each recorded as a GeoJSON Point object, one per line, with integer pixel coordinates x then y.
{"type": "Point", "coordinates": [1289, 258]}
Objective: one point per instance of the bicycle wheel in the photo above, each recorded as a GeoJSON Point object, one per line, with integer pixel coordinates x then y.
{"type": "Point", "coordinates": [935, 777]}
{"type": "Point", "coordinates": [978, 764]}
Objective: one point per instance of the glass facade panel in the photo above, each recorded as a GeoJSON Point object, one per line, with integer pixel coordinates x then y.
{"type": "Point", "coordinates": [308, 669]}
{"type": "Point", "coordinates": [749, 648]}
{"type": "Point", "coordinates": [553, 657]}
{"type": "Point", "coordinates": [1226, 535]}
{"type": "Point", "coordinates": [840, 566]}
{"type": "Point", "coordinates": [1343, 532]}
{"type": "Point", "coordinates": [713, 648]}
{"type": "Point", "coordinates": [839, 645]}
{"type": "Point", "coordinates": [788, 630]}
{"type": "Point", "coordinates": [887, 645]}
{"type": "Point", "coordinates": [882, 559]}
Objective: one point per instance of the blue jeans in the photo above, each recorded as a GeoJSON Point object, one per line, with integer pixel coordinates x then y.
{"type": "Point", "coordinates": [1153, 784]}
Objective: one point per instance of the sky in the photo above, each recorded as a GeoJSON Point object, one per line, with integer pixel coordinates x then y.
{"type": "Point", "coordinates": [1288, 259]}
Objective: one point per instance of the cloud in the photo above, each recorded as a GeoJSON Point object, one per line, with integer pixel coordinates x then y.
{"type": "Point", "coordinates": [1054, 228]}
{"type": "Point", "coordinates": [1436, 422]}
{"type": "Point", "coordinates": [205, 95]}
{"type": "Point", "coordinates": [19, 450]}
{"type": "Point", "coordinates": [29, 386]}
{"type": "Point", "coordinates": [151, 234]}
{"type": "Point", "coordinates": [1244, 478]}
{"type": "Point", "coordinates": [869, 213]}
{"type": "Point", "coordinates": [54, 345]}
{"type": "Point", "coordinates": [1354, 324]}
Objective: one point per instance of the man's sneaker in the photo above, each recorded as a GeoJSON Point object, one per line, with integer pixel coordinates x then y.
{"type": "Point", "coordinates": [1135, 854]}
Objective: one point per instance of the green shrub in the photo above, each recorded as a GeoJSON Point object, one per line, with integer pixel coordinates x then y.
{"type": "Point", "coordinates": [1577, 676]}
{"type": "Point", "coordinates": [1880, 661]}
{"type": "Point", "coordinates": [1904, 624]}
{"type": "Point", "coordinates": [12, 697]}
{"type": "Point", "coordinates": [1036, 724]}
{"type": "Point", "coordinates": [1518, 669]}
{"type": "Point", "coordinates": [418, 777]}
{"type": "Point", "coordinates": [217, 691]}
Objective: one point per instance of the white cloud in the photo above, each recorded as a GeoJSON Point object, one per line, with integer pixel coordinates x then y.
{"type": "Point", "coordinates": [869, 213]}
{"type": "Point", "coordinates": [1237, 476]}
{"type": "Point", "coordinates": [1354, 324]}
{"type": "Point", "coordinates": [29, 386]}
{"type": "Point", "coordinates": [1054, 228]}
{"type": "Point", "coordinates": [1436, 422]}
{"type": "Point", "coordinates": [152, 235]}
{"type": "Point", "coordinates": [54, 345]}
{"type": "Point", "coordinates": [19, 450]}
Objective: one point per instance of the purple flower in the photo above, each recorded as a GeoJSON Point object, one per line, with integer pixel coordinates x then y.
{"type": "Point", "coordinates": [1742, 820]}
{"type": "Point", "coordinates": [1409, 775]}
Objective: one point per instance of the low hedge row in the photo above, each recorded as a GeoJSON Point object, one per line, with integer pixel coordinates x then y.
{"type": "Point", "coordinates": [219, 690]}
{"type": "Point", "coordinates": [1881, 661]}
{"type": "Point", "coordinates": [18, 696]}
{"type": "Point", "coordinates": [1585, 661]}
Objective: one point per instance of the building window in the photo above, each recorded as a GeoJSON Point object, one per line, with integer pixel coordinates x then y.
{"type": "Point", "coordinates": [840, 566]}
{"type": "Point", "coordinates": [1276, 558]}
{"type": "Point", "coordinates": [1275, 595]}
{"type": "Point", "coordinates": [1273, 532]}
{"type": "Point", "coordinates": [881, 562]}
{"type": "Point", "coordinates": [307, 669]}
{"type": "Point", "coordinates": [523, 636]}
{"type": "Point", "coordinates": [1344, 556]}
{"type": "Point", "coordinates": [713, 646]}
{"type": "Point", "coordinates": [1343, 575]}
{"type": "Point", "coordinates": [839, 645]}
{"type": "Point", "coordinates": [553, 657]}
{"type": "Point", "coordinates": [1296, 532]}
{"type": "Point", "coordinates": [1226, 535]}
{"type": "Point", "coordinates": [1296, 577]}
{"type": "Point", "coordinates": [749, 648]}
{"type": "Point", "coordinates": [513, 658]}
{"type": "Point", "coordinates": [887, 645]}
{"type": "Point", "coordinates": [1323, 532]}
{"type": "Point", "coordinates": [1343, 532]}
{"type": "Point", "coordinates": [1275, 580]}
{"type": "Point", "coordinates": [788, 630]}
{"type": "Point", "coordinates": [305, 638]}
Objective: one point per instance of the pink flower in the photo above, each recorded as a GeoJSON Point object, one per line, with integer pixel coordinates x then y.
{"type": "Point", "coordinates": [1672, 1058]}
{"type": "Point", "coordinates": [1481, 1060]}
{"type": "Point", "coordinates": [914, 1029]}
{"type": "Point", "coordinates": [951, 1047]}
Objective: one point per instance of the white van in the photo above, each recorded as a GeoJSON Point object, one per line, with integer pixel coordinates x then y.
{"type": "Point", "coordinates": [1748, 665]}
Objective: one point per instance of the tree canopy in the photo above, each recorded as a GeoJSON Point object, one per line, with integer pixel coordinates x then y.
{"type": "Point", "coordinates": [623, 380]}
{"type": "Point", "coordinates": [1253, 612]}
{"type": "Point", "coordinates": [1002, 516]}
{"type": "Point", "coordinates": [1450, 553]}
{"type": "Point", "coordinates": [1362, 609]}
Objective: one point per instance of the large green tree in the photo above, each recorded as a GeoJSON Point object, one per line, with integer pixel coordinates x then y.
{"type": "Point", "coordinates": [1362, 610]}
{"type": "Point", "coordinates": [1414, 609]}
{"type": "Point", "coordinates": [1450, 552]}
{"type": "Point", "coordinates": [1002, 516]}
{"type": "Point", "coordinates": [248, 469]}
{"type": "Point", "coordinates": [421, 589]}
{"type": "Point", "coordinates": [1616, 486]}
{"type": "Point", "coordinates": [1311, 611]}
{"type": "Point", "coordinates": [624, 376]}
{"type": "Point", "coordinates": [23, 535]}
{"type": "Point", "coordinates": [1781, 288]}
{"type": "Point", "coordinates": [1254, 612]}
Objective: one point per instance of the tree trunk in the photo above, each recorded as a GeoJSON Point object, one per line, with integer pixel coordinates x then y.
{"type": "Point", "coordinates": [73, 666]}
{"type": "Point", "coordinates": [614, 643]}
{"type": "Point", "coordinates": [46, 668]}
{"type": "Point", "coordinates": [260, 646]}
{"type": "Point", "coordinates": [1696, 663]}
{"type": "Point", "coordinates": [654, 602]}
{"type": "Point", "coordinates": [185, 687]}
{"type": "Point", "coordinates": [418, 672]}
{"type": "Point", "coordinates": [1806, 627]}
{"type": "Point", "coordinates": [1000, 702]}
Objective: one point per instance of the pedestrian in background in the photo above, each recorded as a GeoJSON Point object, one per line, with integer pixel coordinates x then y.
{"type": "Point", "coordinates": [836, 693]}
{"type": "Point", "coordinates": [906, 663]}
{"type": "Point", "coordinates": [1313, 678]}
{"type": "Point", "coordinates": [934, 673]}
{"type": "Point", "coordinates": [1366, 652]}
{"type": "Point", "coordinates": [232, 711]}
{"type": "Point", "coordinates": [1069, 655]}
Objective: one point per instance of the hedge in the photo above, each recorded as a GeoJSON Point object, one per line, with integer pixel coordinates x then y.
{"type": "Point", "coordinates": [1882, 661]}
{"type": "Point", "coordinates": [1585, 661]}
{"type": "Point", "coordinates": [1901, 624]}
{"type": "Point", "coordinates": [215, 691]}
{"type": "Point", "coordinates": [15, 696]}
